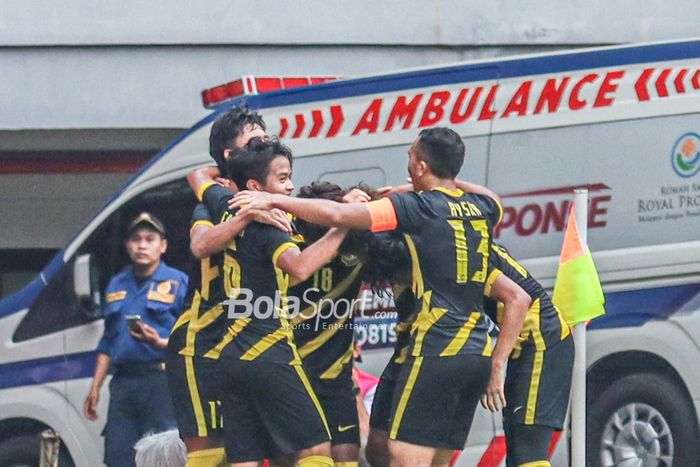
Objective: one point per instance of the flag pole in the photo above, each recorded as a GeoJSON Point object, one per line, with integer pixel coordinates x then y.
{"type": "Point", "coordinates": [578, 393]}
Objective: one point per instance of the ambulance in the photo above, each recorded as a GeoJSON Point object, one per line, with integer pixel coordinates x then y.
{"type": "Point", "coordinates": [623, 122]}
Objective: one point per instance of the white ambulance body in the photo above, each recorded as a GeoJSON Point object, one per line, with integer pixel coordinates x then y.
{"type": "Point", "coordinates": [622, 121]}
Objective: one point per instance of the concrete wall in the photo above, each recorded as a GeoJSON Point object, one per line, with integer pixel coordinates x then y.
{"type": "Point", "coordinates": [136, 64]}
{"type": "Point", "coordinates": [127, 75]}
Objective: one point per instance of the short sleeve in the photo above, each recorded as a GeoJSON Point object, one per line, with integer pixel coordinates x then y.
{"type": "Point", "coordinates": [215, 198]}
{"type": "Point", "coordinates": [113, 299]}
{"type": "Point", "coordinates": [494, 210]}
{"type": "Point", "coordinates": [409, 213]}
{"type": "Point", "coordinates": [201, 216]}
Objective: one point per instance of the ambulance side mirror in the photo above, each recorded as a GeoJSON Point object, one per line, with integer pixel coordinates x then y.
{"type": "Point", "coordinates": [86, 286]}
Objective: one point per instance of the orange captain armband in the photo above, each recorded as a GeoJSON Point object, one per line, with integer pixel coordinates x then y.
{"type": "Point", "coordinates": [383, 215]}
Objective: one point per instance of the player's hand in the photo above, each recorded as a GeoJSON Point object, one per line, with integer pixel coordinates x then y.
{"type": "Point", "coordinates": [494, 399]}
{"type": "Point", "coordinates": [142, 332]}
{"type": "Point", "coordinates": [384, 191]}
{"type": "Point", "coordinates": [387, 191]}
{"type": "Point", "coordinates": [274, 217]}
{"type": "Point", "coordinates": [248, 200]}
{"type": "Point", "coordinates": [90, 404]}
{"type": "Point", "coordinates": [356, 196]}
{"type": "Point", "coordinates": [226, 183]}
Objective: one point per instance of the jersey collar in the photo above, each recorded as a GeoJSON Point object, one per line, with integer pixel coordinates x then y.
{"type": "Point", "coordinates": [453, 193]}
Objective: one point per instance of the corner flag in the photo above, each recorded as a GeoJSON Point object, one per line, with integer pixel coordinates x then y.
{"type": "Point", "coordinates": [577, 291]}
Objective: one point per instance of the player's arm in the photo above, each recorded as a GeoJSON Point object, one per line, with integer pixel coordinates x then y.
{"type": "Point", "coordinates": [207, 240]}
{"type": "Point", "coordinates": [317, 211]}
{"type": "Point", "coordinates": [516, 302]}
{"type": "Point", "coordinates": [300, 265]}
{"type": "Point", "coordinates": [376, 215]}
{"type": "Point", "coordinates": [200, 178]}
{"type": "Point", "coordinates": [469, 187]}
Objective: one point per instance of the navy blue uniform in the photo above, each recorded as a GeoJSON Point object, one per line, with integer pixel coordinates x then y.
{"type": "Point", "coordinates": [139, 397]}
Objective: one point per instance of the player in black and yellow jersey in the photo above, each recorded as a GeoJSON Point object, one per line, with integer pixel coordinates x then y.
{"type": "Point", "coordinates": [202, 324]}
{"type": "Point", "coordinates": [268, 402]}
{"type": "Point", "coordinates": [450, 345]}
{"type": "Point", "coordinates": [538, 378]}
{"type": "Point", "coordinates": [323, 325]}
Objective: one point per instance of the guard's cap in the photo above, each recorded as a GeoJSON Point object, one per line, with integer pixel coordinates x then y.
{"type": "Point", "coordinates": [149, 220]}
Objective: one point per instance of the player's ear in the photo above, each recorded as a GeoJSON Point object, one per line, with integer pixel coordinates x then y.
{"type": "Point", "coordinates": [227, 153]}
{"type": "Point", "coordinates": [163, 246]}
{"type": "Point", "coordinates": [422, 168]}
{"type": "Point", "coordinates": [253, 185]}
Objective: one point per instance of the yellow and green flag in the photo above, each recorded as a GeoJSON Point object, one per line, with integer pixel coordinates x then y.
{"type": "Point", "coordinates": [577, 291]}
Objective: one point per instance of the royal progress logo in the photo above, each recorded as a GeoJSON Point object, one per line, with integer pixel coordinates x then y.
{"type": "Point", "coordinates": [685, 157]}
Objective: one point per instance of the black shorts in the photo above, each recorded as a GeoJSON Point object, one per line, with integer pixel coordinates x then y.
{"type": "Point", "coordinates": [194, 388]}
{"type": "Point", "coordinates": [270, 409]}
{"type": "Point", "coordinates": [435, 399]}
{"type": "Point", "coordinates": [340, 406]}
{"type": "Point", "coordinates": [383, 394]}
{"type": "Point", "coordinates": [538, 385]}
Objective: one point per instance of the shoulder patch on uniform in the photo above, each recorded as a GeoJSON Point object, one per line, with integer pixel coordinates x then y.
{"type": "Point", "coordinates": [115, 296]}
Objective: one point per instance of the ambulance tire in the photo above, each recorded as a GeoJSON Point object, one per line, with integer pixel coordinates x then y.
{"type": "Point", "coordinates": [659, 403]}
{"type": "Point", "coordinates": [23, 451]}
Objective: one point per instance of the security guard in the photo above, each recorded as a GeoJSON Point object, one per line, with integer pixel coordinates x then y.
{"type": "Point", "coordinates": [142, 303]}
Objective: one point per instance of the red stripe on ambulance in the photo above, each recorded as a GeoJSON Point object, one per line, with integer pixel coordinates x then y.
{"type": "Point", "coordinates": [503, 100]}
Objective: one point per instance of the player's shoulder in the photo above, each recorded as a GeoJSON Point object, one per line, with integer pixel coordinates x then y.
{"type": "Point", "coordinates": [257, 232]}
{"type": "Point", "coordinates": [213, 189]}
{"type": "Point", "coordinates": [413, 199]}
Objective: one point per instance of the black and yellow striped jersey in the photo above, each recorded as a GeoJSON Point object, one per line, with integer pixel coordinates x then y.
{"type": "Point", "coordinates": [255, 309]}
{"type": "Point", "coordinates": [324, 319]}
{"type": "Point", "coordinates": [544, 324]}
{"type": "Point", "coordinates": [448, 233]}
{"type": "Point", "coordinates": [203, 323]}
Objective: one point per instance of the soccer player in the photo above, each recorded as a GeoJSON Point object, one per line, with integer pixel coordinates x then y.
{"type": "Point", "coordinates": [192, 378]}
{"type": "Point", "coordinates": [538, 378]}
{"type": "Point", "coordinates": [324, 325]}
{"type": "Point", "coordinates": [448, 233]}
{"type": "Point", "coordinates": [268, 403]}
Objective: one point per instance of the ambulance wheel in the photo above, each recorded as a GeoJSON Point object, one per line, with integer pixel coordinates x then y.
{"type": "Point", "coordinates": [643, 419]}
{"type": "Point", "coordinates": [23, 451]}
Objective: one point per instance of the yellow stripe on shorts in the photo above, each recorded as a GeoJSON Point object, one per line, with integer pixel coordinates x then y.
{"type": "Point", "coordinates": [405, 395]}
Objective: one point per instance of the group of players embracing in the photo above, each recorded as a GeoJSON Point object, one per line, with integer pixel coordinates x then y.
{"type": "Point", "coordinates": [251, 384]}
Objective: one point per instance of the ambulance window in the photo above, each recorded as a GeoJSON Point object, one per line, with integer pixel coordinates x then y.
{"type": "Point", "coordinates": [56, 308]}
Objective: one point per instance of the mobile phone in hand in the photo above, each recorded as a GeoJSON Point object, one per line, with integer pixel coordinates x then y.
{"type": "Point", "coordinates": [131, 320]}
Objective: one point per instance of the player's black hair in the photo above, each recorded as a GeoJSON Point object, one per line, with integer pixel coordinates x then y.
{"type": "Point", "coordinates": [226, 128]}
{"type": "Point", "coordinates": [386, 259]}
{"type": "Point", "coordinates": [385, 255]}
{"type": "Point", "coordinates": [443, 150]}
{"type": "Point", "coordinates": [253, 161]}
{"type": "Point", "coordinates": [317, 190]}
